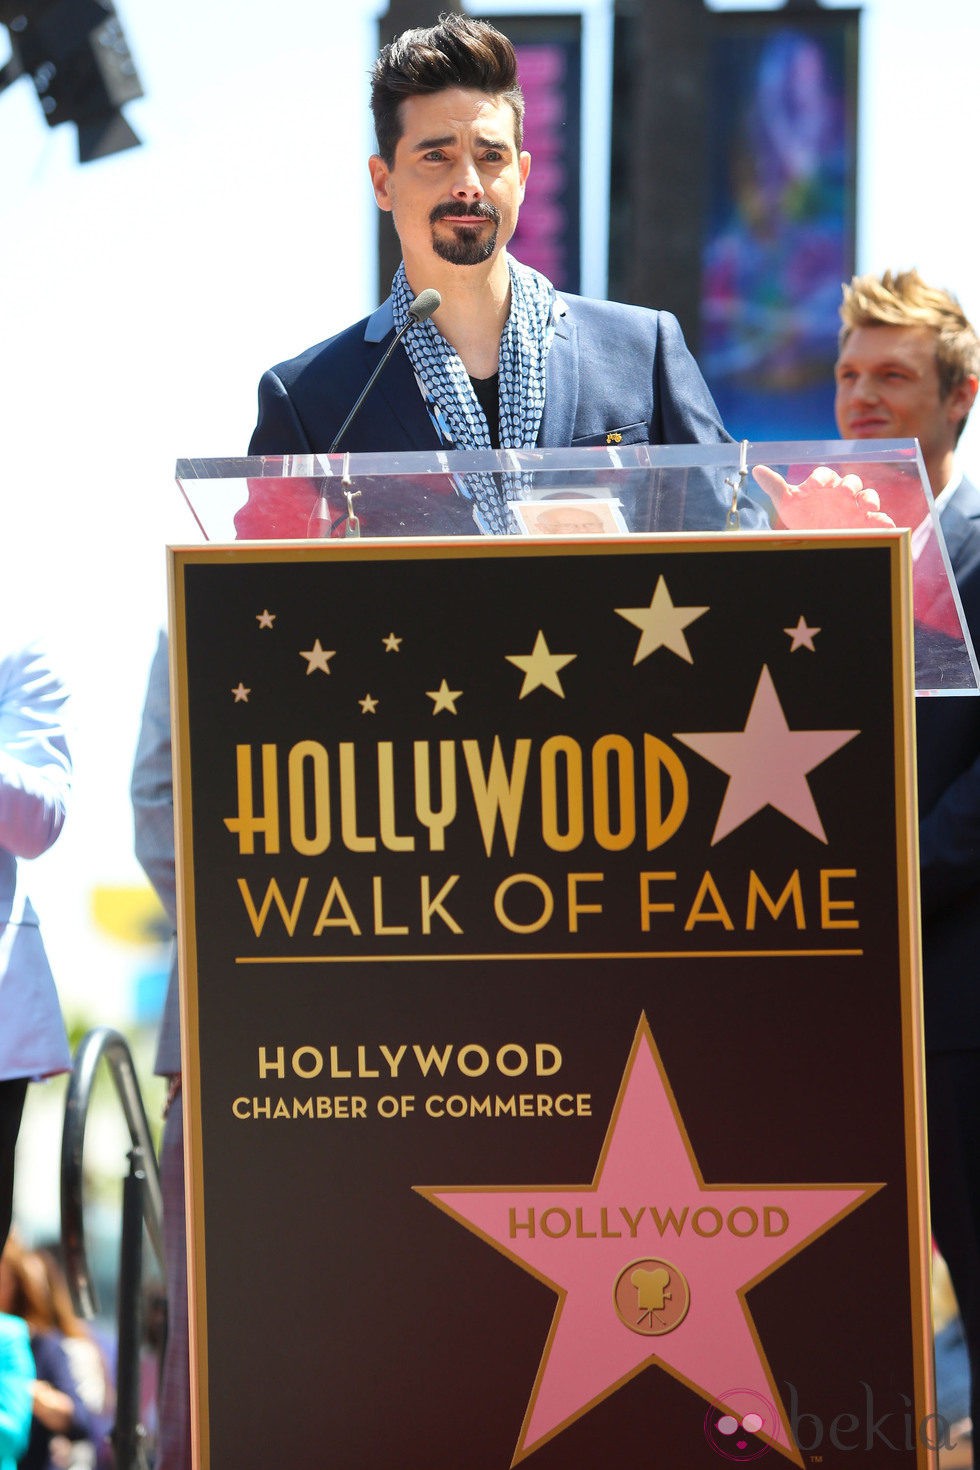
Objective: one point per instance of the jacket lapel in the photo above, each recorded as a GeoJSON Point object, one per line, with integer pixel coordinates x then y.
{"type": "Point", "coordinates": [561, 385]}
{"type": "Point", "coordinates": [399, 392]}
{"type": "Point", "coordinates": [966, 498]}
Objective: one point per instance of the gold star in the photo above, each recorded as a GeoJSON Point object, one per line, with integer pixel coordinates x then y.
{"type": "Point", "coordinates": [265, 619]}
{"type": "Point", "coordinates": [444, 698]}
{"type": "Point", "coordinates": [801, 636]}
{"type": "Point", "coordinates": [368, 705]}
{"type": "Point", "coordinates": [241, 693]}
{"type": "Point", "coordinates": [541, 667]}
{"type": "Point", "coordinates": [317, 657]}
{"type": "Point", "coordinates": [661, 624]}
{"type": "Point", "coordinates": [392, 643]}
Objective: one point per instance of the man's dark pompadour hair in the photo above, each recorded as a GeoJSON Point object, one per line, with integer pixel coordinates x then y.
{"type": "Point", "coordinates": [456, 52]}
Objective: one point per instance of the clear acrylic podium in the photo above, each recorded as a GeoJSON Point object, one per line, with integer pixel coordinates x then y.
{"type": "Point", "coordinates": [611, 491]}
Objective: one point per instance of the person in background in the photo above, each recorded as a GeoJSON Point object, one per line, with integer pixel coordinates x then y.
{"type": "Point", "coordinates": [58, 1410]}
{"type": "Point", "coordinates": [153, 822]}
{"type": "Point", "coordinates": [35, 778]}
{"type": "Point", "coordinates": [89, 1370]}
{"type": "Point", "coordinates": [16, 1389]}
{"type": "Point", "coordinates": [908, 366]}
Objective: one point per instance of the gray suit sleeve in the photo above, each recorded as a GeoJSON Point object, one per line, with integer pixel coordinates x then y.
{"type": "Point", "coordinates": [152, 787]}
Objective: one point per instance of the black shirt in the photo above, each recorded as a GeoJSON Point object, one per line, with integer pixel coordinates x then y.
{"type": "Point", "coordinates": [487, 392]}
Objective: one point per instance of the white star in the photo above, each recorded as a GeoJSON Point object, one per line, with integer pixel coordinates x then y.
{"type": "Point", "coordinates": [241, 693]}
{"type": "Point", "coordinates": [767, 763]}
{"type": "Point", "coordinates": [317, 658]}
{"type": "Point", "coordinates": [265, 619]}
{"type": "Point", "coordinates": [801, 636]}
{"type": "Point", "coordinates": [369, 705]}
{"type": "Point", "coordinates": [444, 698]}
{"type": "Point", "coordinates": [661, 624]}
{"type": "Point", "coordinates": [541, 667]}
{"type": "Point", "coordinates": [392, 643]}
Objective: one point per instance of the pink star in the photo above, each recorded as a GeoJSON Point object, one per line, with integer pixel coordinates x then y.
{"type": "Point", "coordinates": [651, 1265]}
{"type": "Point", "coordinates": [767, 763]}
{"type": "Point", "coordinates": [802, 635]}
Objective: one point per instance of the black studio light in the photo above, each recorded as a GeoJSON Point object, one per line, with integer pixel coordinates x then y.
{"type": "Point", "coordinates": [76, 53]}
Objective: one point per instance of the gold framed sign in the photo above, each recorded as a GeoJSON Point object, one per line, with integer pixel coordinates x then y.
{"type": "Point", "coordinates": [551, 1002]}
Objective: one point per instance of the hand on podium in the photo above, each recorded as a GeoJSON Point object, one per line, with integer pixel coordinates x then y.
{"type": "Point", "coordinates": [824, 501]}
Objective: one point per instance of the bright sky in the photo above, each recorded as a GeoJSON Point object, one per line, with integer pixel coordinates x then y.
{"type": "Point", "coordinates": [144, 295]}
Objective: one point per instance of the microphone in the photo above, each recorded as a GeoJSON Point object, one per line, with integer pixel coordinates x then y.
{"type": "Point", "coordinates": [425, 305]}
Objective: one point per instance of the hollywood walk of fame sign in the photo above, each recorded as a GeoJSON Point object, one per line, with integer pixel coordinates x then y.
{"type": "Point", "coordinates": [552, 1039]}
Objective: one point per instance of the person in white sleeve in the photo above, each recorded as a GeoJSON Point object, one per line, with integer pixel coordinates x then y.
{"type": "Point", "coordinates": [35, 777]}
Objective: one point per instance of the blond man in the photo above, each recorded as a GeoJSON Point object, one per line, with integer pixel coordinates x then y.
{"type": "Point", "coordinates": [908, 367]}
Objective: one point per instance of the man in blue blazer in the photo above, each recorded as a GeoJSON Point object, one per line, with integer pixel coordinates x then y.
{"type": "Point", "coordinates": [506, 361]}
{"type": "Point", "coordinates": [545, 369]}
{"type": "Point", "coordinates": [908, 368]}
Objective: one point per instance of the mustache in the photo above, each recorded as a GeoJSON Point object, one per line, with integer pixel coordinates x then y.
{"type": "Point", "coordinates": [480, 209]}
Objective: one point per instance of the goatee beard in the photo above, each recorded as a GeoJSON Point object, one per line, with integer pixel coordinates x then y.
{"type": "Point", "coordinates": [465, 246]}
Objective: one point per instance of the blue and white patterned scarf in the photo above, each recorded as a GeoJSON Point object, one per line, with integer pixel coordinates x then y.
{"type": "Point", "coordinates": [445, 383]}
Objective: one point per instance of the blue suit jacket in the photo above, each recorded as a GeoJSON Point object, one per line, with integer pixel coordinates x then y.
{"type": "Point", "coordinates": [948, 756]}
{"type": "Point", "coordinates": [611, 369]}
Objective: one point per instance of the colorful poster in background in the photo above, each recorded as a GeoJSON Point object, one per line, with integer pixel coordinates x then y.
{"type": "Point", "coordinates": [780, 206]}
{"type": "Point", "coordinates": [552, 1050]}
{"type": "Point", "coordinates": [549, 60]}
